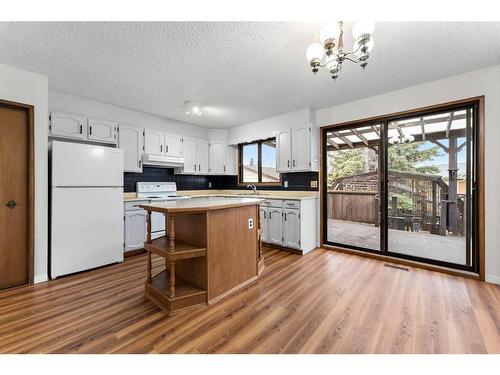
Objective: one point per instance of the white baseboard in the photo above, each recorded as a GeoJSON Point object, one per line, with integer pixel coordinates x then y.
{"type": "Point", "coordinates": [493, 279]}
{"type": "Point", "coordinates": [40, 278]}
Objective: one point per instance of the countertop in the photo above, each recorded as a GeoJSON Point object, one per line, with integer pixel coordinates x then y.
{"type": "Point", "coordinates": [200, 204]}
{"type": "Point", "coordinates": [264, 194]}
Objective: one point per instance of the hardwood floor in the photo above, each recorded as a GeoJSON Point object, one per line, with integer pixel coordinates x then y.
{"type": "Point", "coordinates": [323, 302]}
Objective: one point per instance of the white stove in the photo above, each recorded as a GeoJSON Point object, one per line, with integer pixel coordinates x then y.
{"type": "Point", "coordinates": [158, 192]}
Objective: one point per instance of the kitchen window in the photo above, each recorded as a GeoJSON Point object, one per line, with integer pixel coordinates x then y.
{"type": "Point", "coordinates": [257, 163]}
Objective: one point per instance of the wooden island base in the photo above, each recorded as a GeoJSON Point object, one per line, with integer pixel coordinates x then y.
{"type": "Point", "coordinates": [210, 252]}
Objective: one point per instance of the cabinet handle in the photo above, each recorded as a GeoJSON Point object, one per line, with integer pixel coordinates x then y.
{"type": "Point", "coordinates": [288, 163]}
{"type": "Point", "coordinates": [285, 216]}
{"type": "Point", "coordinates": [194, 167]}
{"type": "Point", "coordinates": [90, 130]}
{"type": "Point", "coordinates": [265, 215]}
{"type": "Point", "coordinates": [224, 168]}
{"type": "Point", "coordinates": [270, 214]}
{"type": "Point", "coordinates": [294, 162]}
{"type": "Point", "coordinates": [81, 129]}
{"type": "Point", "coordinates": [166, 149]}
{"type": "Point", "coordinates": [161, 148]}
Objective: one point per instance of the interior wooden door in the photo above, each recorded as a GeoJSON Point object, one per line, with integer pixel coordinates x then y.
{"type": "Point", "coordinates": [14, 196]}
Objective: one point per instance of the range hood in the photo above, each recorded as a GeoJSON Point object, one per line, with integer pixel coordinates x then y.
{"type": "Point", "coordinates": [163, 161]}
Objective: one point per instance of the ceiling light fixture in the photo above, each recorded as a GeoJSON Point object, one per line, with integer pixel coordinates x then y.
{"type": "Point", "coordinates": [192, 108]}
{"type": "Point", "coordinates": [330, 52]}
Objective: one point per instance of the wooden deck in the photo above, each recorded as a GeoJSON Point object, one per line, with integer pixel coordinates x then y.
{"type": "Point", "coordinates": [422, 244]}
{"type": "Point", "coordinates": [323, 302]}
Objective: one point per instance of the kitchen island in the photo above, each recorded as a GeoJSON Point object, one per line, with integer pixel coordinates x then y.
{"type": "Point", "coordinates": [211, 250]}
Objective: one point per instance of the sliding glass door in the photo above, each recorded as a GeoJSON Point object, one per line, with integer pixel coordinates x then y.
{"type": "Point", "coordinates": [354, 183]}
{"type": "Point", "coordinates": [430, 174]}
{"type": "Point", "coordinates": [405, 187]}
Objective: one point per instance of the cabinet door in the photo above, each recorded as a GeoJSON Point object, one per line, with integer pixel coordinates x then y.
{"type": "Point", "coordinates": [173, 145]}
{"type": "Point", "coordinates": [232, 160]}
{"type": "Point", "coordinates": [101, 130]}
{"type": "Point", "coordinates": [291, 229]}
{"type": "Point", "coordinates": [301, 150]}
{"type": "Point", "coordinates": [217, 157]}
{"type": "Point", "coordinates": [135, 229]}
{"type": "Point", "coordinates": [284, 151]}
{"type": "Point", "coordinates": [130, 139]}
{"type": "Point", "coordinates": [275, 226]}
{"type": "Point", "coordinates": [202, 156]}
{"type": "Point", "coordinates": [154, 142]}
{"type": "Point", "coordinates": [67, 125]}
{"type": "Point", "coordinates": [190, 153]}
{"type": "Point", "coordinates": [263, 217]}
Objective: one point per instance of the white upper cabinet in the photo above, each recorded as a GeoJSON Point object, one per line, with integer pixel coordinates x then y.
{"type": "Point", "coordinates": [297, 149]}
{"type": "Point", "coordinates": [190, 153]}
{"type": "Point", "coordinates": [301, 149]}
{"type": "Point", "coordinates": [101, 130]}
{"type": "Point", "coordinates": [173, 145]}
{"type": "Point", "coordinates": [291, 229]}
{"type": "Point", "coordinates": [67, 125]}
{"type": "Point", "coordinates": [284, 150]}
{"type": "Point", "coordinates": [217, 157]}
{"type": "Point", "coordinates": [232, 160]}
{"type": "Point", "coordinates": [130, 139]}
{"type": "Point", "coordinates": [202, 156]}
{"type": "Point", "coordinates": [154, 142]}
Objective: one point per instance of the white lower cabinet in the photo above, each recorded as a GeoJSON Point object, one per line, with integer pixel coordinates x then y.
{"type": "Point", "coordinates": [289, 223]}
{"type": "Point", "coordinates": [135, 226]}
{"type": "Point", "coordinates": [275, 226]}
{"type": "Point", "coordinates": [291, 228]}
{"type": "Point", "coordinates": [263, 223]}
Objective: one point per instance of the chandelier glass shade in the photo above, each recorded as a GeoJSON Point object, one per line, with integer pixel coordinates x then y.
{"type": "Point", "coordinates": [330, 53]}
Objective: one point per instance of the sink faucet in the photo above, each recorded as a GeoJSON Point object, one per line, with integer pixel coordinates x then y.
{"type": "Point", "coordinates": [253, 187]}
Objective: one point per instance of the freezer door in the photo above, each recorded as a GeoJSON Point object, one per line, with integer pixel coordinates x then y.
{"type": "Point", "coordinates": [87, 228]}
{"type": "Point", "coordinates": [75, 164]}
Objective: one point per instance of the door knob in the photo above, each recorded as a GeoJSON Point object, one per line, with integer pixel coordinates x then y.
{"type": "Point", "coordinates": [11, 204]}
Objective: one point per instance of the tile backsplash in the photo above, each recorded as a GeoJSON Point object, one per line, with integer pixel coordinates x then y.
{"type": "Point", "coordinates": [296, 181]}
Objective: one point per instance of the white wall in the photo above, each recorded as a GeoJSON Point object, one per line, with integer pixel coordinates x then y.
{"type": "Point", "coordinates": [268, 127]}
{"type": "Point", "coordinates": [481, 82]}
{"type": "Point", "coordinates": [29, 88]}
{"type": "Point", "coordinates": [77, 104]}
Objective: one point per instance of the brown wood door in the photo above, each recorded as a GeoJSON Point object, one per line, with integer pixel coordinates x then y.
{"type": "Point", "coordinates": [14, 197]}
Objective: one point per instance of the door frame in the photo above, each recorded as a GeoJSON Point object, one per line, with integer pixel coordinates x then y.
{"type": "Point", "coordinates": [31, 181]}
{"type": "Point", "coordinates": [480, 129]}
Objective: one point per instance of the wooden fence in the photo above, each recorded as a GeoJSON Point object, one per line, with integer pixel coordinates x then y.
{"type": "Point", "coordinates": [360, 206]}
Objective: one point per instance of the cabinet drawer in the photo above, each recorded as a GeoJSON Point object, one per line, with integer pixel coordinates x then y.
{"type": "Point", "coordinates": [131, 206]}
{"type": "Point", "coordinates": [292, 204]}
{"type": "Point", "coordinates": [273, 203]}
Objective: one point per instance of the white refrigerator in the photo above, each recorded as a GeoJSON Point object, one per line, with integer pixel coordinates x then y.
{"type": "Point", "coordinates": [86, 207]}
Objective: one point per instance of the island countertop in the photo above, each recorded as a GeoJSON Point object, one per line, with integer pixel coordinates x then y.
{"type": "Point", "coordinates": [200, 204]}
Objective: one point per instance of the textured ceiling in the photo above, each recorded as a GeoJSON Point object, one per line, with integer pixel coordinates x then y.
{"type": "Point", "coordinates": [240, 71]}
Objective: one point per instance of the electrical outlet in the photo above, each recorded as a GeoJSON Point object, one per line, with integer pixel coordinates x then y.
{"type": "Point", "coordinates": [250, 223]}
{"type": "Point", "coordinates": [314, 184]}
{"type": "Point", "coordinates": [285, 184]}
{"type": "Point", "coordinates": [209, 185]}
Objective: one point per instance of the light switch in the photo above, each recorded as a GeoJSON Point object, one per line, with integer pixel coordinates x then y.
{"type": "Point", "coordinates": [285, 184]}
{"type": "Point", "coordinates": [314, 184]}
{"type": "Point", "coordinates": [250, 223]}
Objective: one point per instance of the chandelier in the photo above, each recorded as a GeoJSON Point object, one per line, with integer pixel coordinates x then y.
{"type": "Point", "coordinates": [330, 52]}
